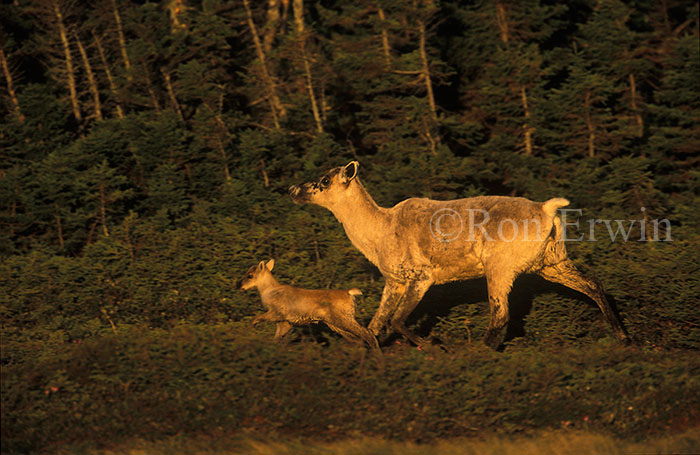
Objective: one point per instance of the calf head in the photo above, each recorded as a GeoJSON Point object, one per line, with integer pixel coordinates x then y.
{"type": "Point", "coordinates": [255, 275]}
{"type": "Point", "coordinates": [329, 190]}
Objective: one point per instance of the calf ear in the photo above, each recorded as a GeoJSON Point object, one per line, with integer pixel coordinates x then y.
{"type": "Point", "coordinates": [261, 265]}
{"type": "Point", "coordinates": [270, 264]}
{"type": "Point", "coordinates": [350, 171]}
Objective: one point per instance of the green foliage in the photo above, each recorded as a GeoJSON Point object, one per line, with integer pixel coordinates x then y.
{"type": "Point", "coordinates": [140, 382]}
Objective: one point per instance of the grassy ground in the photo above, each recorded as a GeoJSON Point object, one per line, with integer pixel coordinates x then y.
{"type": "Point", "coordinates": [74, 383]}
{"type": "Point", "coordinates": [551, 442]}
{"type": "Point", "coordinates": [139, 384]}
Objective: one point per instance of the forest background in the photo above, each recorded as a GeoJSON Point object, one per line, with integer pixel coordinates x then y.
{"type": "Point", "coordinates": [146, 149]}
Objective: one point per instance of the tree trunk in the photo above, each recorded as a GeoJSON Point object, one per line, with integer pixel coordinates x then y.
{"type": "Point", "coordinates": [13, 216]}
{"type": "Point", "coordinates": [171, 94]}
{"type": "Point", "coordinates": [526, 127]}
{"type": "Point", "coordinates": [176, 8]}
{"type": "Point", "coordinates": [10, 86]}
{"type": "Point", "coordinates": [273, 20]}
{"type": "Point", "coordinates": [103, 209]}
{"type": "Point", "coordinates": [426, 70]}
{"type": "Point", "coordinates": [129, 243]}
{"type": "Point", "coordinates": [299, 21]}
{"type": "Point", "coordinates": [108, 73]}
{"type": "Point", "coordinates": [276, 107]}
{"type": "Point", "coordinates": [94, 90]}
{"type": "Point", "coordinates": [502, 22]}
{"type": "Point", "coordinates": [386, 49]}
{"type": "Point", "coordinates": [428, 136]}
{"type": "Point", "coordinates": [151, 92]}
{"type": "Point", "coordinates": [70, 73]}
{"type": "Point", "coordinates": [325, 107]}
{"type": "Point", "coordinates": [221, 132]}
{"type": "Point", "coordinates": [59, 228]}
{"type": "Point", "coordinates": [647, 224]}
{"type": "Point", "coordinates": [589, 124]}
{"type": "Point", "coordinates": [503, 28]}
{"type": "Point", "coordinates": [266, 178]}
{"type": "Point", "coordinates": [91, 233]}
{"type": "Point", "coordinates": [634, 107]}
{"type": "Point", "coordinates": [122, 41]}
{"type": "Point", "coordinates": [224, 159]}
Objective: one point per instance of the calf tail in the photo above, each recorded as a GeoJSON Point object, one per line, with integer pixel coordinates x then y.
{"type": "Point", "coordinates": [354, 292]}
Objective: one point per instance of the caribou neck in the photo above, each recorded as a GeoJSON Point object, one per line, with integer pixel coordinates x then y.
{"type": "Point", "coordinates": [365, 222]}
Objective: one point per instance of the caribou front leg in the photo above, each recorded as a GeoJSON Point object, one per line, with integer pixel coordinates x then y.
{"type": "Point", "coordinates": [391, 296]}
{"type": "Point", "coordinates": [414, 294]}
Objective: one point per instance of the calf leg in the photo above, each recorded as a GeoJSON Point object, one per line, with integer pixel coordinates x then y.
{"type": "Point", "coordinates": [270, 316]}
{"type": "Point", "coordinates": [414, 293]}
{"type": "Point", "coordinates": [283, 328]}
{"type": "Point", "coordinates": [392, 294]}
{"type": "Point", "coordinates": [345, 332]}
{"type": "Point", "coordinates": [369, 338]}
{"type": "Point", "coordinates": [499, 285]}
{"type": "Point", "coordinates": [357, 330]}
{"type": "Point", "coordinates": [565, 273]}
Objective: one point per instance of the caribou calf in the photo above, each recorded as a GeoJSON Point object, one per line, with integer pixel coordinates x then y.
{"type": "Point", "coordinates": [289, 306]}
{"type": "Point", "coordinates": [420, 242]}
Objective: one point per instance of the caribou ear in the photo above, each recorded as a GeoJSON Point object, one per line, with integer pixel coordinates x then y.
{"type": "Point", "coordinates": [261, 265]}
{"type": "Point", "coordinates": [270, 264]}
{"type": "Point", "coordinates": [350, 171]}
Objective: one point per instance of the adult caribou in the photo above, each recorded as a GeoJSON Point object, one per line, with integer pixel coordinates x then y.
{"type": "Point", "coordinates": [420, 242]}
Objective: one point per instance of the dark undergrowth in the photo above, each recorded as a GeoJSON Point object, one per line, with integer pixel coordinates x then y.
{"type": "Point", "coordinates": [191, 379]}
{"type": "Point", "coordinates": [113, 346]}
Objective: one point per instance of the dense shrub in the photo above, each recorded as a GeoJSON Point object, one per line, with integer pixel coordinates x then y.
{"type": "Point", "coordinates": [150, 383]}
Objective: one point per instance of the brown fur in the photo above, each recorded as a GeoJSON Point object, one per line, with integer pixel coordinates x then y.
{"type": "Point", "coordinates": [401, 242]}
{"type": "Point", "coordinates": [289, 306]}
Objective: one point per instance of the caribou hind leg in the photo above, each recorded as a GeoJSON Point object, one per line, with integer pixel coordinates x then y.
{"type": "Point", "coordinates": [566, 273]}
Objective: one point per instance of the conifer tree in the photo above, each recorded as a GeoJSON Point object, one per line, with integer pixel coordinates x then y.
{"type": "Point", "coordinates": [143, 42]}
{"type": "Point", "coordinates": [263, 66]}
{"type": "Point", "coordinates": [56, 18]}
{"type": "Point", "coordinates": [581, 121]}
{"type": "Point", "coordinates": [205, 87]}
{"type": "Point", "coordinates": [388, 71]}
{"type": "Point", "coordinates": [676, 112]}
{"type": "Point", "coordinates": [90, 77]}
{"type": "Point", "coordinates": [10, 74]}
{"type": "Point", "coordinates": [600, 101]}
{"type": "Point", "coordinates": [7, 73]}
{"type": "Point", "coordinates": [103, 187]}
{"type": "Point", "coordinates": [106, 30]}
{"type": "Point", "coordinates": [610, 49]}
{"type": "Point", "coordinates": [503, 74]}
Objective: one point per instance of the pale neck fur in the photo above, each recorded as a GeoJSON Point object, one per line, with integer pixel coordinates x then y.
{"type": "Point", "coordinates": [363, 220]}
{"type": "Point", "coordinates": [266, 283]}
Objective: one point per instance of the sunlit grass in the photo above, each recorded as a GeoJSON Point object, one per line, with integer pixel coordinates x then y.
{"type": "Point", "coordinates": [550, 443]}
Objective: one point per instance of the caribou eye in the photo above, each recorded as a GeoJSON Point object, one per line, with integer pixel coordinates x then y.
{"type": "Point", "coordinates": [325, 181]}
{"type": "Point", "coordinates": [250, 276]}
